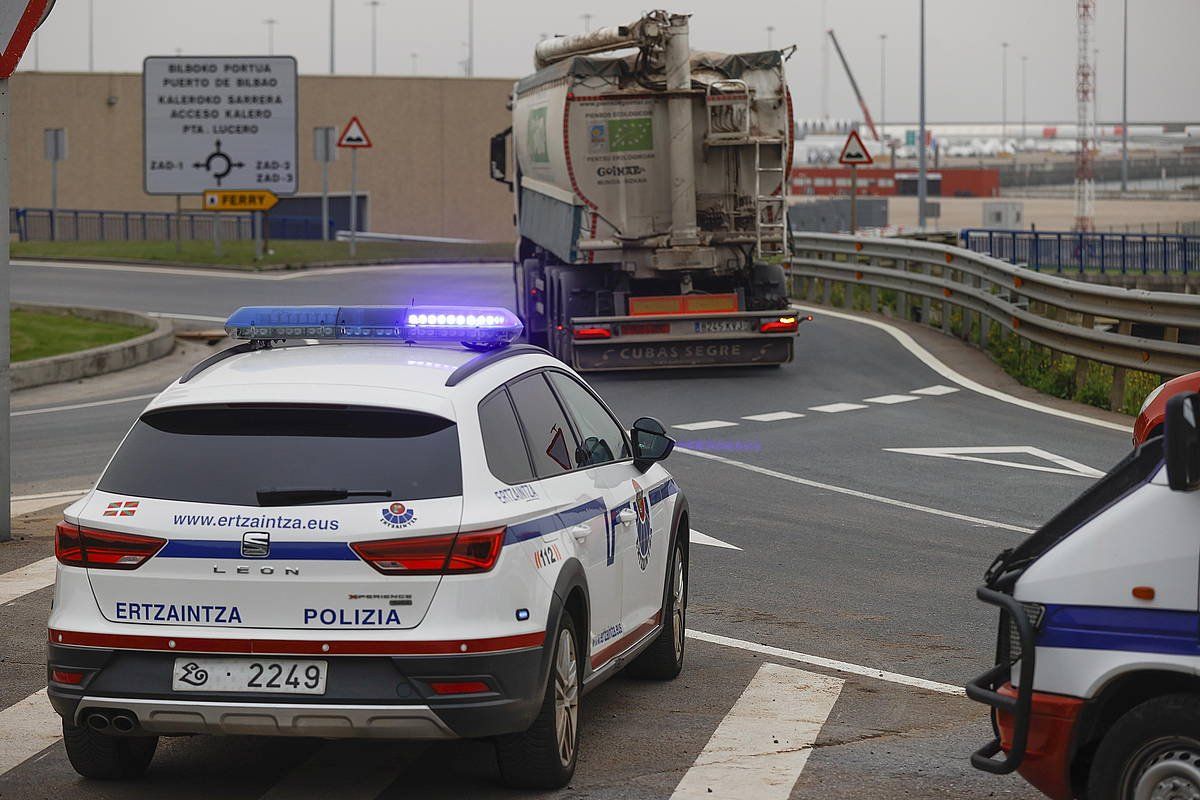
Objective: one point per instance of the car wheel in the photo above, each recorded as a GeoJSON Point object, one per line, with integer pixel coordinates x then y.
{"type": "Point", "coordinates": [663, 659]}
{"type": "Point", "coordinates": [544, 756]}
{"type": "Point", "coordinates": [1152, 751]}
{"type": "Point", "coordinates": [111, 758]}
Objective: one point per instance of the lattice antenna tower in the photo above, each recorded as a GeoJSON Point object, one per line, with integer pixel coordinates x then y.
{"type": "Point", "coordinates": [1085, 130]}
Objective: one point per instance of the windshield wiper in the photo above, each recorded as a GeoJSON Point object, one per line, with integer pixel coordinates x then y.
{"type": "Point", "coordinates": [299, 497]}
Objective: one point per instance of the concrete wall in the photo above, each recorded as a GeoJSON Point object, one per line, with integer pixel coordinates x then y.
{"type": "Point", "coordinates": [427, 174]}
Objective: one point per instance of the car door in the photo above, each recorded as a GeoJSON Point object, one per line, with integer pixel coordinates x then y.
{"type": "Point", "coordinates": [605, 458]}
{"type": "Point", "coordinates": [582, 504]}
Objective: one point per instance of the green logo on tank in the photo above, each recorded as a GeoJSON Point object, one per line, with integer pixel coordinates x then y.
{"type": "Point", "coordinates": [535, 134]}
{"type": "Point", "coordinates": [630, 134]}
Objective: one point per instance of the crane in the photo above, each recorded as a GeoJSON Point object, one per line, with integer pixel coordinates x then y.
{"type": "Point", "coordinates": [854, 85]}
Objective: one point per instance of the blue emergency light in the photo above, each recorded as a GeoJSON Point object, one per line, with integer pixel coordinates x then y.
{"type": "Point", "coordinates": [476, 327]}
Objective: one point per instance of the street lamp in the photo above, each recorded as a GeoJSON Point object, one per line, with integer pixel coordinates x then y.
{"type": "Point", "coordinates": [270, 23]}
{"type": "Point", "coordinates": [1023, 60]}
{"type": "Point", "coordinates": [374, 4]}
{"type": "Point", "coordinates": [414, 62]}
{"type": "Point", "coordinates": [470, 38]}
{"type": "Point", "coordinates": [1004, 90]}
{"type": "Point", "coordinates": [770, 37]}
{"type": "Point", "coordinates": [91, 35]}
{"type": "Point", "coordinates": [922, 176]}
{"type": "Point", "coordinates": [1125, 99]}
{"type": "Point", "coordinates": [587, 22]}
{"type": "Point", "coordinates": [332, 20]}
{"type": "Point", "coordinates": [883, 84]}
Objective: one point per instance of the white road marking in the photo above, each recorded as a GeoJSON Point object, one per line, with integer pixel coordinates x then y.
{"type": "Point", "coordinates": [704, 426]}
{"type": "Point", "coordinates": [828, 663]}
{"type": "Point", "coordinates": [891, 399]}
{"type": "Point", "coordinates": [76, 406]}
{"type": "Point", "coordinates": [289, 275]}
{"type": "Point", "coordinates": [935, 391]}
{"type": "Point", "coordinates": [27, 727]}
{"type": "Point", "coordinates": [29, 578]}
{"type": "Point", "coordinates": [703, 538]}
{"type": "Point", "coordinates": [773, 416]}
{"type": "Point", "coordinates": [761, 746]}
{"type": "Point", "coordinates": [837, 408]}
{"type": "Point", "coordinates": [783, 476]}
{"type": "Point", "coordinates": [1065, 465]}
{"type": "Point", "coordinates": [931, 361]}
{"type": "Point", "coordinates": [347, 769]}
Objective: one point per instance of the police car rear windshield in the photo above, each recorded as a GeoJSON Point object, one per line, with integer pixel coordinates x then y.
{"type": "Point", "coordinates": [228, 454]}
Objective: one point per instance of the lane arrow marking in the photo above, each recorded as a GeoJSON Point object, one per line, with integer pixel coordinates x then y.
{"type": "Point", "coordinates": [1065, 465]}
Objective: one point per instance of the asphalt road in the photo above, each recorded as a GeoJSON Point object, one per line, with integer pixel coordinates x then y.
{"type": "Point", "coordinates": [849, 551]}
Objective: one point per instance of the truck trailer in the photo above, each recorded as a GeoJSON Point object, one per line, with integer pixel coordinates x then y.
{"type": "Point", "coordinates": [650, 198]}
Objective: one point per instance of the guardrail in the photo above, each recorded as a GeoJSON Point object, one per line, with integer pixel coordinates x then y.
{"type": "Point", "coordinates": [1100, 253]}
{"type": "Point", "coordinates": [1156, 332]}
{"type": "Point", "coordinates": [39, 224]}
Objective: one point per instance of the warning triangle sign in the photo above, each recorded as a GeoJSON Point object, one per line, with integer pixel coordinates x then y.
{"type": "Point", "coordinates": [354, 135]}
{"type": "Point", "coordinates": [18, 20]}
{"type": "Point", "coordinates": [854, 153]}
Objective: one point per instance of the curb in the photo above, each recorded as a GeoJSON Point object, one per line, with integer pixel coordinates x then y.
{"type": "Point", "coordinates": [97, 360]}
{"type": "Point", "coordinates": [258, 270]}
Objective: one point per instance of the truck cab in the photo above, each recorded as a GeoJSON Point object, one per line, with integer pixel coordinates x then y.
{"type": "Point", "coordinates": [1096, 688]}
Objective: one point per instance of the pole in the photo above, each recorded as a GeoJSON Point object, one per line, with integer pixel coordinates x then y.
{"type": "Point", "coordinates": [414, 63]}
{"type": "Point", "coordinates": [54, 201]}
{"type": "Point", "coordinates": [1004, 90]}
{"type": "Point", "coordinates": [178, 224]}
{"type": "Point", "coordinates": [853, 200]}
{"type": "Point", "coordinates": [470, 38]}
{"type": "Point", "coordinates": [91, 35]}
{"type": "Point", "coordinates": [922, 187]}
{"type": "Point", "coordinates": [587, 23]}
{"type": "Point", "coordinates": [325, 198]}
{"type": "Point", "coordinates": [770, 37]}
{"type": "Point", "coordinates": [825, 65]}
{"type": "Point", "coordinates": [5, 317]}
{"type": "Point", "coordinates": [883, 85]}
{"type": "Point", "coordinates": [1023, 117]}
{"type": "Point", "coordinates": [353, 201]}
{"type": "Point", "coordinates": [374, 4]}
{"type": "Point", "coordinates": [1125, 100]}
{"type": "Point", "coordinates": [257, 230]}
{"type": "Point", "coordinates": [270, 23]}
{"type": "Point", "coordinates": [216, 233]}
{"type": "Point", "coordinates": [332, 28]}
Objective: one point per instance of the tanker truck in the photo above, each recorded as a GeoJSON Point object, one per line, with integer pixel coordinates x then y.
{"type": "Point", "coordinates": [650, 194]}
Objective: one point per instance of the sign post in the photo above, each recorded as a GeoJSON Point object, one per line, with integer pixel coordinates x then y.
{"type": "Point", "coordinates": [354, 137]}
{"type": "Point", "coordinates": [324, 151]}
{"type": "Point", "coordinates": [18, 21]}
{"type": "Point", "coordinates": [853, 154]}
{"type": "Point", "coordinates": [257, 202]}
{"type": "Point", "coordinates": [55, 151]}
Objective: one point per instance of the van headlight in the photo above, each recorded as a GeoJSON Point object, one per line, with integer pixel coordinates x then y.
{"type": "Point", "coordinates": [1150, 398]}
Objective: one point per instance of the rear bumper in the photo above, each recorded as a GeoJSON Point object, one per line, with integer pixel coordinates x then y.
{"type": "Point", "coordinates": [370, 696]}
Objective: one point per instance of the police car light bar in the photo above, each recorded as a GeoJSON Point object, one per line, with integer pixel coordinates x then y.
{"type": "Point", "coordinates": [475, 327]}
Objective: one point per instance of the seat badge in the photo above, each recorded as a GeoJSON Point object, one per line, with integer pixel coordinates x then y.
{"type": "Point", "coordinates": [256, 544]}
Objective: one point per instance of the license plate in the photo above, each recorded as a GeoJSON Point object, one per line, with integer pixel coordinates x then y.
{"type": "Point", "coordinates": [273, 675]}
{"type": "Point", "coordinates": [724, 325]}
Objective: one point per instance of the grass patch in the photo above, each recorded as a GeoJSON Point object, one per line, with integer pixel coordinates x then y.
{"type": "Point", "coordinates": [240, 254]}
{"type": "Point", "coordinates": [38, 335]}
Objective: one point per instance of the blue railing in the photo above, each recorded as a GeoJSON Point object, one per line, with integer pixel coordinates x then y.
{"type": "Point", "coordinates": [36, 224]}
{"type": "Point", "coordinates": [1069, 251]}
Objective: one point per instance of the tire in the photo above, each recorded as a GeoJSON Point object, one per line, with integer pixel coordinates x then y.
{"type": "Point", "coordinates": [544, 756]}
{"type": "Point", "coordinates": [663, 659]}
{"type": "Point", "coordinates": [1155, 744]}
{"type": "Point", "coordinates": [107, 758]}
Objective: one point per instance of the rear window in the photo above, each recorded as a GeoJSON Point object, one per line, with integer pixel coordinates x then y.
{"type": "Point", "coordinates": [227, 454]}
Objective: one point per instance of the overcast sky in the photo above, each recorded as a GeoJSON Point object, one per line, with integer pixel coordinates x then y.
{"type": "Point", "coordinates": [963, 43]}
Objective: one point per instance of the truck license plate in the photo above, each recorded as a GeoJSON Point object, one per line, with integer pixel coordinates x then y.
{"type": "Point", "coordinates": [725, 325]}
{"type": "Point", "coordinates": [273, 675]}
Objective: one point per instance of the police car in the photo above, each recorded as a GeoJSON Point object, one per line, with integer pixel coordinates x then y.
{"type": "Point", "coordinates": [382, 522]}
{"type": "Point", "coordinates": [1096, 689]}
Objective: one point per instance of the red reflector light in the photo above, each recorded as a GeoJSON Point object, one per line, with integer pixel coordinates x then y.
{"type": "Point", "coordinates": [781, 325]}
{"type": "Point", "coordinates": [61, 676]}
{"type": "Point", "coordinates": [94, 549]}
{"type": "Point", "coordinates": [643, 328]}
{"type": "Point", "coordinates": [459, 687]}
{"type": "Point", "coordinates": [593, 333]}
{"type": "Point", "coordinates": [450, 553]}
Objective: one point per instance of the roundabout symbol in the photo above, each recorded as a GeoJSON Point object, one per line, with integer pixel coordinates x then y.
{"type": "Point", "coordinates": [224, 164]}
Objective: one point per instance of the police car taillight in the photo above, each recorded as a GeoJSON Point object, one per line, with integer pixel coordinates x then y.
{"type": "Point", "coordinates": [476, 327]}
{"type": "Point", "coordinates": [447, 554]}
{"type": "Point", "coordinates": [76, 546]}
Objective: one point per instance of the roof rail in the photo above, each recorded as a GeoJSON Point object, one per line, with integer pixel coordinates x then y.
{"type": "Point", "coordinates": [216, 358]}
{"type": "Point", "coordinates": [487, 359]}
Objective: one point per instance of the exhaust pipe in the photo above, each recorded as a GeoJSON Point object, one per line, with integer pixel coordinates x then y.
{"type": "Point", "coordinates": [123, 723]}
{"type": "Point", "coordinates": [97, 721]}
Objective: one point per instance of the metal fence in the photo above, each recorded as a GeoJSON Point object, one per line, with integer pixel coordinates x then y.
{"type": "Point", "coordinates": [1101, 253]}
{"type": "Point", "coordinates": [951, 287]}
{"type": "Point", "coordinates": [38, 224]}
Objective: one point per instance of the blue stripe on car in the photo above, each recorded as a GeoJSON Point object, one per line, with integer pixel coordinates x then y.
{"type": "Point", "coordinates": [1139, 630]}
{"type": "Point", "coordinates": [291, 551]}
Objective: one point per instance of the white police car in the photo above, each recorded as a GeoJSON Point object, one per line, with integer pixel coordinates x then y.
{"type": "Point", "coordinates": [351, 526]}
{"type": "Point", "coordinates": [1096, 689]}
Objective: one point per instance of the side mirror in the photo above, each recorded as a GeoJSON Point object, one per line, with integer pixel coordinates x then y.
{"type": "Point", "coordinates": [499, 157]}
{"type": "Point", "coordinates": [1182, 442]}
{"type": "Point", "coordinates": [650, 442]}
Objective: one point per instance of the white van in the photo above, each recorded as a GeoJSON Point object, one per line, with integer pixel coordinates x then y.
{"type": "Point", "coordinates": [1096, 689]}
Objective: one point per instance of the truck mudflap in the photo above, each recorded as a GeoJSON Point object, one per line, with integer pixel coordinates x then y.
{"type": "Point", "coordinates": [663, 341]}
{"type": "Point", "coordinates": [984, 689]}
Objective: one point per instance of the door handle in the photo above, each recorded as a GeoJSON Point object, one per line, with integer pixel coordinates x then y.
{"type": "Point", "coordinates": [580, 532]}
{"type": "Point", "coordinates": [627, 516]}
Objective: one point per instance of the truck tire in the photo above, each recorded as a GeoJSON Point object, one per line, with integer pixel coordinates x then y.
{"type": "Point", "coordinates": [663, 659]}
{"type": "Point", "coordinates": [107, 758]}
{"type": "Point", "coordinates": [1155, 744]}
{"type": "Point", "coordinates": [544, 756]}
